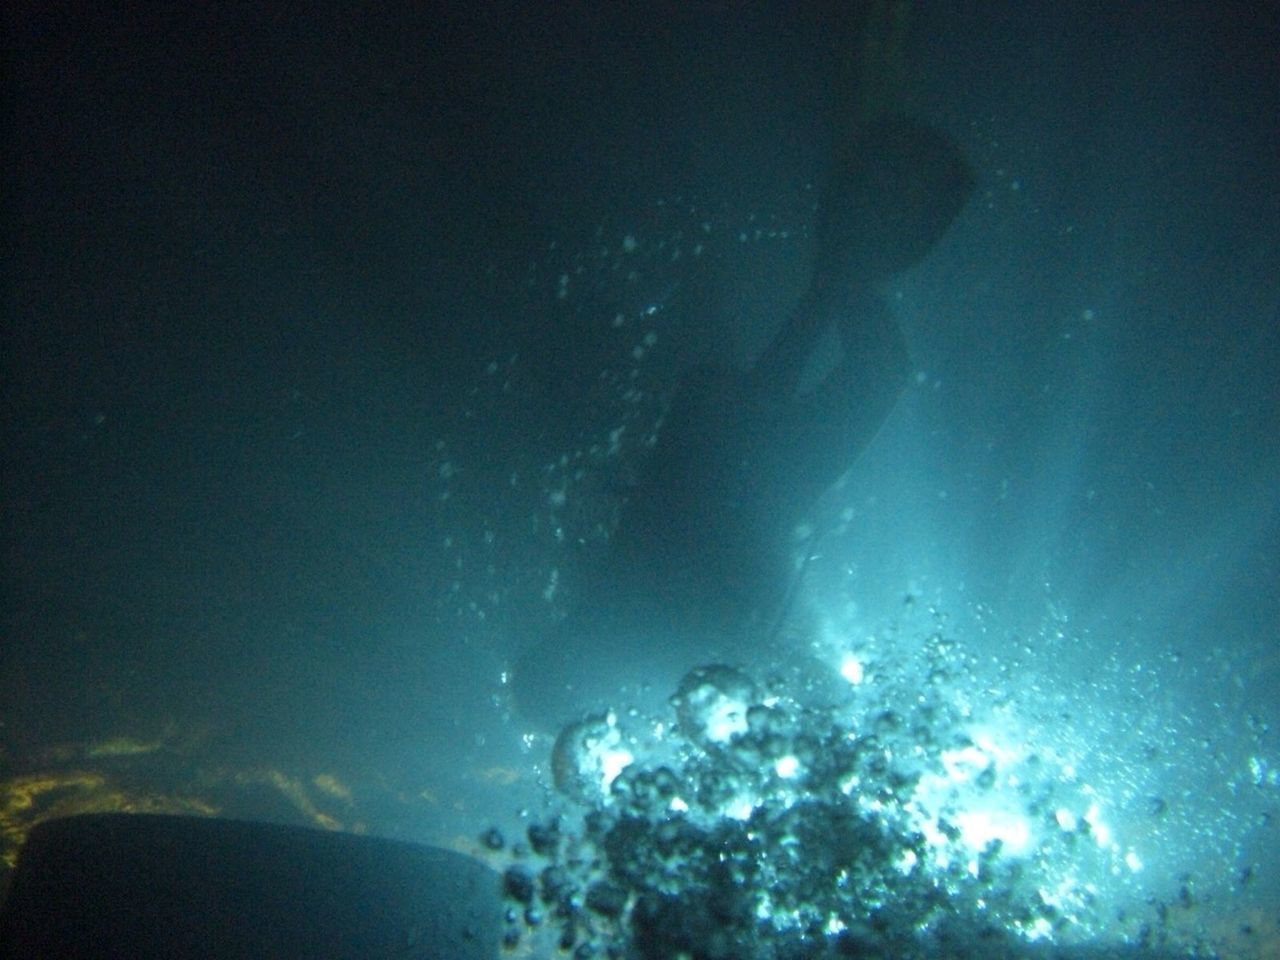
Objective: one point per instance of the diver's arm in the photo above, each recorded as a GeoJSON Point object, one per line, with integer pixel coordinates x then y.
{"type": "Point", "coordinates": [840, 417]}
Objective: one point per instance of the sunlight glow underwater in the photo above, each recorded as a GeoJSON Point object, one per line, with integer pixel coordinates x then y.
{"type": "Point", "coordinates": [1046, 785]}
{"type": "Point", "coordinates": [927, 795]}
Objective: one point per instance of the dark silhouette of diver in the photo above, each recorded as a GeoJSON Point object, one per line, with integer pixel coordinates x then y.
{"type": "Point", "coordinates": [700, 568]}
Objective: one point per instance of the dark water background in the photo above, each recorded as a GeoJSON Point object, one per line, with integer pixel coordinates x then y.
{"type": "Point", "coordinates": [292, 380]}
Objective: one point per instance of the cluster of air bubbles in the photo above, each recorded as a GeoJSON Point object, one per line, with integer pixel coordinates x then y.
{"type": "Point", "coordinates": [755, 826]}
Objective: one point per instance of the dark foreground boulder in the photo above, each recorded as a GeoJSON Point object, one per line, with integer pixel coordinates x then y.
{"type": "Point", "coordinates": [120, 885]}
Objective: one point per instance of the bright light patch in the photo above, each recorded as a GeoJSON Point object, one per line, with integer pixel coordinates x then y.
{"type": "Point", "coordinates": [978, 828]}
{"type": "Point", "coordinates": [606, 753]}
{"type": "Point", "coordinates": [1065, 819]}
{"type": "Point", "coordinates": [974, 791]}
{"type": "Point", "coordinates": [1133, 861]}
{"type": "Point", "coordinates": [726, 719]}
{"type": "Point", "coordinates": [1039, 929]}
{"type": "Point", "coordinates": [851, 669]}
{"type": "Point", "coordinates": [1101, 832]}
{"type": "Point", "coordinates": [612, 763]}
{"type": "Point", "coordinates": [787, 767]}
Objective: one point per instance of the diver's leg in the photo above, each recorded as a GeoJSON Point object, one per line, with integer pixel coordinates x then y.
{"type": "Point", "coordinates": [838, 419]}
{"type": "Point", "coordinates": [776, 374]}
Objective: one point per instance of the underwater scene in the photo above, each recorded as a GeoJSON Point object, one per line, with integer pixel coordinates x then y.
{"type": "Point", "coordinates": [762, 480]}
